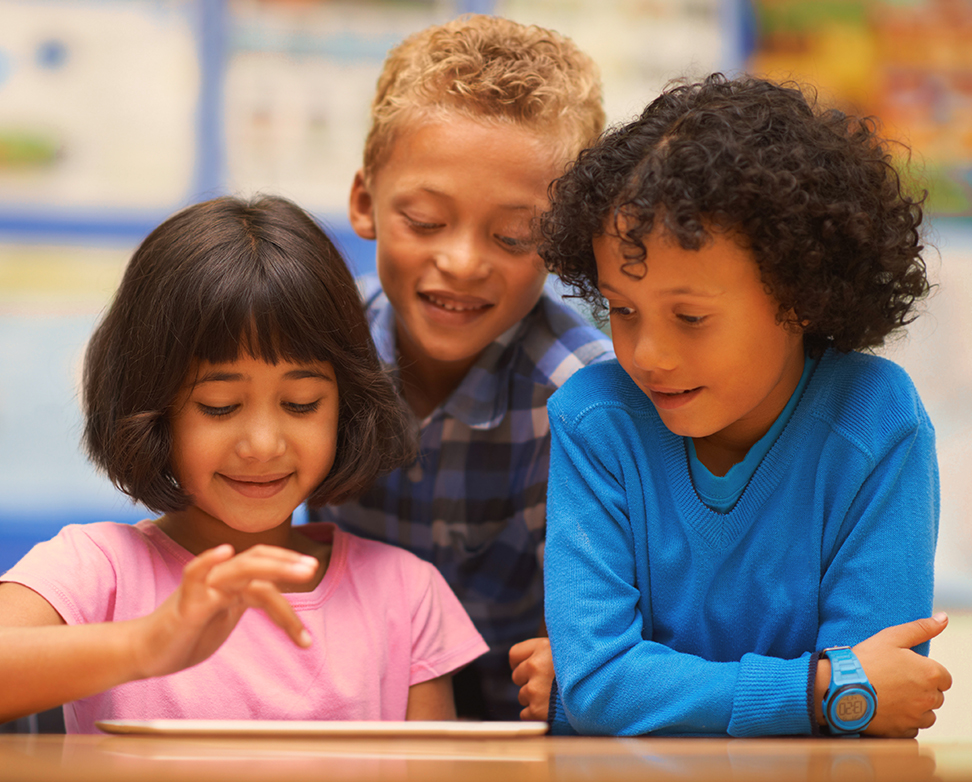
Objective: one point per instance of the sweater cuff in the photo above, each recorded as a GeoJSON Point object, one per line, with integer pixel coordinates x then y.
{"type": "Point", "coordinates": [556, 715]}
{"type": "Point", "coordinates": [811, 694]}
{"type": "Point", "coordinates": [771, 697]}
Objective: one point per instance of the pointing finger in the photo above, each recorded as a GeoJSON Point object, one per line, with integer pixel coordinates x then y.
{"type": "Point", "coordinates": [265, 596]}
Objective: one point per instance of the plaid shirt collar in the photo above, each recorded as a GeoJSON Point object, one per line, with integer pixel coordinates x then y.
{"type": "Point", "coordinates": [482, 398]}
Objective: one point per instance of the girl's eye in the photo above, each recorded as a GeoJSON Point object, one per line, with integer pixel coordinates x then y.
{"type": "Point", "coordinates": [302, 409]}
{"type": "Point", "coordinates": [621, 312]}
{"type": "Point", "coordinates": [216, 412]}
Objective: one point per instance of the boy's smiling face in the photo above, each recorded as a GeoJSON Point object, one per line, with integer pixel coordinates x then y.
{"type": "Point", "coordinates": [453, 209]}
{"type": "Point", "coordinates": [699, 334]}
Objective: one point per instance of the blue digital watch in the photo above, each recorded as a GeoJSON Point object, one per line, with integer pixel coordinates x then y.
{"type": "Point", "coordinates": [850, 702]}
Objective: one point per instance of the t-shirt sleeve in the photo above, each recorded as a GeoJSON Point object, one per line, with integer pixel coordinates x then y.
{"type": "Point", "coordinates": [72, 572]}
{"type": "Point", "coordinates": [444, 638]}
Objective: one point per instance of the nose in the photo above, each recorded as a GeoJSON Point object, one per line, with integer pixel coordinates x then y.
{"type": "Point", "coordinates": [261, 437]}
{"type": "Point", "coordinates": [462, 257]}
{"type": "Point", "coordinates": [653, 352]}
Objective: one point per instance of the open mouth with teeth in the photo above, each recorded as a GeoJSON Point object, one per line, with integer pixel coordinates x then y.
{"type": "Point", "coordinates": [454, 306]}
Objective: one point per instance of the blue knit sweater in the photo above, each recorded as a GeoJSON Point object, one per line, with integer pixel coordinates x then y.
{"type": "Point", "coordinates": [667, 617]}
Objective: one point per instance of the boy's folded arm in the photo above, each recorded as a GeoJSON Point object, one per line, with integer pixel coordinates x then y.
{"type": "Point", "coordinates": [613, 681]}
{"type": "Point", "coordinates": [877, 564]}
{"type": "Point", "coordinates": [877, 586]}
{"type": "Point", "coordinates": [610, 679]}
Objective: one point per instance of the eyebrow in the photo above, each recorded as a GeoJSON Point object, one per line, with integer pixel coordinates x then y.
{"type": "Point", "coordinates": [683, 290]}
{"type": "Point", "coordinates": [219, 376]}
{"type": "Point", "coordinates": [441, 194]}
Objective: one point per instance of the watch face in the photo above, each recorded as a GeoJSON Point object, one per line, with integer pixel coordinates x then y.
{"type": "Point", "coordinates": [851, 707]}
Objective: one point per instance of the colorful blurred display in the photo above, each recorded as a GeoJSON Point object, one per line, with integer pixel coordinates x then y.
{"type": "Point", "coordinates": [907, 62]}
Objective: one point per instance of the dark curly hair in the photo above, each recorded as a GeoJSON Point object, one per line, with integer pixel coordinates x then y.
{"type": "Point", "coordinates": [813, 193]}
{"type": "Point", "coordinates": [216, 279]}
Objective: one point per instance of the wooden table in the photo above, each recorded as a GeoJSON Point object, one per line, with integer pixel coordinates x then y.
{"type": "Point", "coordinates": [536, 759]}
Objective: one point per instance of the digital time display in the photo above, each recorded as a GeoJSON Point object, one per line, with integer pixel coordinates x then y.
{"type": "Point", "coordinates": [851, 707]}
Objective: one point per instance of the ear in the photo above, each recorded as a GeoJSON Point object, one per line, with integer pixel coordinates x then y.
{"type": "Point", "coordinates": [361, 208]}
{"type": "Point", "coordinates": [791, 323]}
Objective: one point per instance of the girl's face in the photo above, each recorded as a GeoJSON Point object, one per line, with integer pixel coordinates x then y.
{"type": "Point", "coordinates": [698, 333]}
{"type": "Point", "coordinates": [251, 440]}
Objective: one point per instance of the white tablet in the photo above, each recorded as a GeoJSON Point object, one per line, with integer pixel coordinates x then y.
{"type": "Point", "coordinates": [324, 728]}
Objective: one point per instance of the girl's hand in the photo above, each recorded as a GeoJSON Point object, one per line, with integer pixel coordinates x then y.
{"type": "Point", "coordinates": [217, 587]}
{"type": "Point", "coordinates": [533, 672]}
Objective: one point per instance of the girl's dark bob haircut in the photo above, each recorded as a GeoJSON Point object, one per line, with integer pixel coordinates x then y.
{"type": "Point", "coordinates": [213, 280]}
{"type": "Point", "coordinates": [813, 193]}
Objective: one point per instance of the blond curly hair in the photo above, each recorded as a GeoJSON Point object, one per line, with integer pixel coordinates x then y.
{"type": "Point", "coordinates": [490, 69]}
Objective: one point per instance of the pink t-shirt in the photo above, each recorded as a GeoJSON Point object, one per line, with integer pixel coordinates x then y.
{"type": "Point", "coordinates": [381, 619]}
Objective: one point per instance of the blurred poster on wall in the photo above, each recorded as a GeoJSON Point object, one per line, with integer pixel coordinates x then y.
{"type": "Point", "coordinates": [639, 45]}
{"type": "Point", "coordinates": [298, 86]}
{"type": "Point", "coordinates": [907, 62]}
{"type": "Point", "coordinates": [301, 74]}
{"type": "Point", "coordinates": [97, 104]}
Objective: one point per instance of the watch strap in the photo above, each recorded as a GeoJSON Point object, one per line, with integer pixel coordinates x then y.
{"type": "Point", "coordinates": [845, 670]}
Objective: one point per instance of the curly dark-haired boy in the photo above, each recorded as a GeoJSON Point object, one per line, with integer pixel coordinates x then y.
{"type": "Point", "coordinates": [743, 489]}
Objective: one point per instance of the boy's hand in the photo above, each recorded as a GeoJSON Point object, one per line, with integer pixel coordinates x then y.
{"type": "Point", "coordinates": [533, 672]}
{"type": "Point", "coordinates": [217, 587]}
{"type": "Point", "coordinates": [909, 686]}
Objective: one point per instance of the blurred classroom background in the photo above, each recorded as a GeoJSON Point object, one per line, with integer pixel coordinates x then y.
{"type": "Point", "coordinates": [115, 113]}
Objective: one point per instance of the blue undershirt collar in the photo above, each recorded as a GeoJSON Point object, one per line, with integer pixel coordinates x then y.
{"type": "Point", "coordinates": [720, 493]}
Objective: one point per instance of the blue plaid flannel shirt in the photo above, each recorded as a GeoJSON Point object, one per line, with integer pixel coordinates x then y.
{"type": "Point", "coordinates": [474, 502]}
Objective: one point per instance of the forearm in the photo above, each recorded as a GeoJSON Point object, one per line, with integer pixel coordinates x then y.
{"type": "Point", "coordinates": [44, 667]}
{"type": "Point", "coordinates": [431, 700]}
{"type": "Point", "coordinates": [653, 689]}
{"type": "Point", "coordinates": [646, 690]}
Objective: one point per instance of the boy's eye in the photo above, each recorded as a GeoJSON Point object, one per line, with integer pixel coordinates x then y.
{"type": "Point", "coordinates": [692, 320]}
{"type": "Point", "coordinates": [514, 245]}
{"type": "Point", "coordinates": [216, 411]}
{"type": "Point", "coordinates": [302, 409]}
{"type": "Point", "coordinates": [420, 225]}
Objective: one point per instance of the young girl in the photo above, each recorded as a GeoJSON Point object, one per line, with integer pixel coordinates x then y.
{"type": "Point", "coordinates": [742, 489]}
{"type": "Point", "coordinates": [232, 379]}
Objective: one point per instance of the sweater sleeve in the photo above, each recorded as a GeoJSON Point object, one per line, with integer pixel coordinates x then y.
{"type": "Point", "coordinates": [878, 562]}
{"type": "Point", "coordinates": [878, 565]}
{"type": "Point", "coordinates": [612, 678]}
